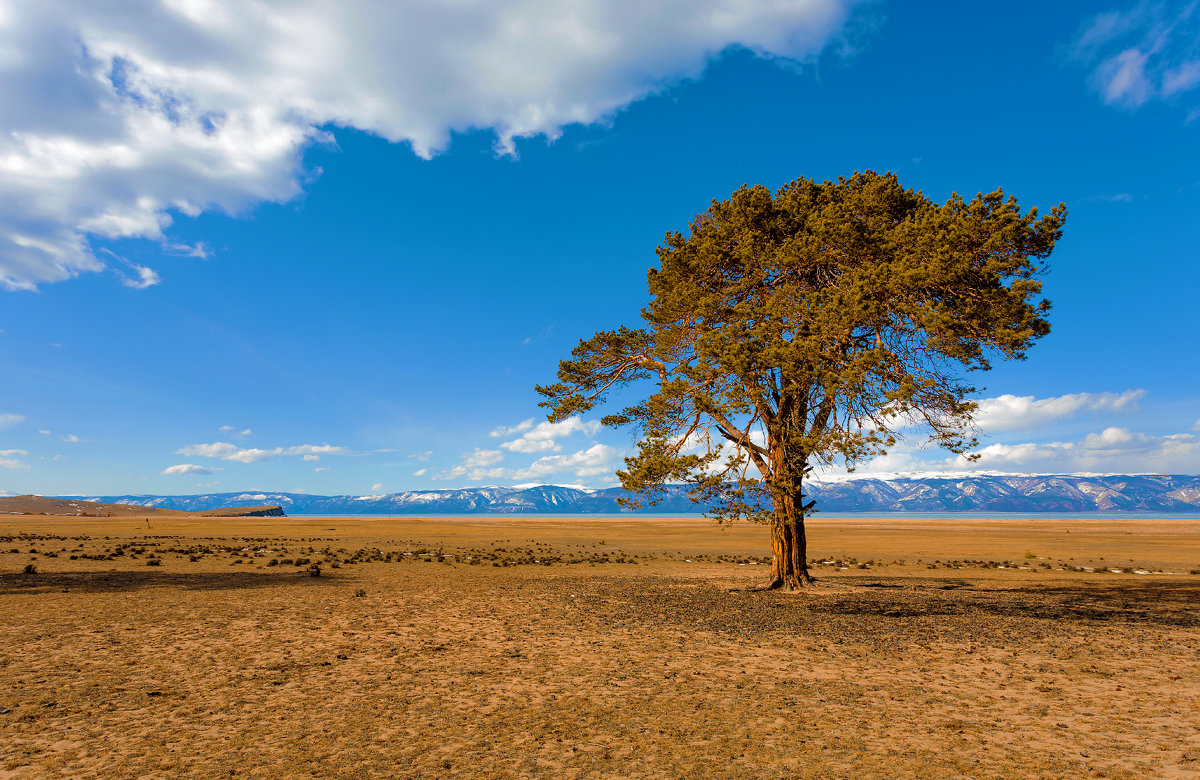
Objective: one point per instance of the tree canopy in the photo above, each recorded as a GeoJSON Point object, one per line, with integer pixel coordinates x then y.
{"type": "Point", "coordinates": [808, 326]}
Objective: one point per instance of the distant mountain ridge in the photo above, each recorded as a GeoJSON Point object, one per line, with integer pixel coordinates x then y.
{"type": "Point", "coordinates": [1006, 493]}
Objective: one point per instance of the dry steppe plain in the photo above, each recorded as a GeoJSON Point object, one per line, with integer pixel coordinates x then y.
{"type": "Point", "coordinates": [498, 647]}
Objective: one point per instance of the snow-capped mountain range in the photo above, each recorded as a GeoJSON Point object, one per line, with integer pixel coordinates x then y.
{"type": "Point", "coordinates": [988, 493]}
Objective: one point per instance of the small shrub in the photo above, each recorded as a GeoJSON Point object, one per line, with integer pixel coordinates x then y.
{"type": "Point", "coordinates": [1030, 556]}
{"type": "Point", "coordinates": [360, 593]}
{"type": "Point", "coordinates": [30, 568]}
{"type": "Point", "coordinates": [314, 570]}
{"type": "Point", "coordinates": [154, 562]}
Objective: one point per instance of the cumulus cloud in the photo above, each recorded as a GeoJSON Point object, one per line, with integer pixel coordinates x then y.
{"type": "Point", "coordinates": [187, 468]}
{"type": "Point", "coordinates": [420, 472]}
{"type": "Point", "coordinates": [227, 451]}
{"type": "Point", "coordinates": [1114, 449]}
{"type": "Point", "coordinates": [1149, 52]}
{"type": "Point", "coordinates": [1012, 412]}
{"type": "Point", "coordinates": [597, 460]}
{"type": "Point", "coordinates": [120, 118]}
{"type": "Point", "coordinates": [542, 437]}
{"type": "Point", "coordinates": [71, 438]}
{"type": "Point", "coordinates": [235, 432]}
{"type": "Point", "coordinates": [475, 465]}
{"type": "Point", "coordinates": [422, 456]}
{"type": "Point", "coordinates": [10, 420]}
{"type": "Point", "coordinates": [377, 487]}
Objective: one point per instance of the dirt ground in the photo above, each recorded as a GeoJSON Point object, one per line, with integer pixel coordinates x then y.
{"type": "Point", "coordinates": [596, 648]}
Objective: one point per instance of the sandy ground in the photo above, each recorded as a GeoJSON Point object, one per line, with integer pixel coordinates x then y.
{"type": "Point", "coordinates": [554, 648]}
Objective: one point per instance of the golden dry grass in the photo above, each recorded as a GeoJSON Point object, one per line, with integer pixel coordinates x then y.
{"type": "Point", "coordinates": [575, 648]}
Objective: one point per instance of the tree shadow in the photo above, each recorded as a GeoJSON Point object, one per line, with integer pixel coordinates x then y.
{"type": "Point", "coordinates": [121, 581]}
{"type": "Point", "coordinates": [889, 611]}
{"type": "Point", "coordinates": [1150, 602]}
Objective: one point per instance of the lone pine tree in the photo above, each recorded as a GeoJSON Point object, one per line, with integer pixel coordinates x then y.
{"type": "Point", "coordinates": [808, 327]}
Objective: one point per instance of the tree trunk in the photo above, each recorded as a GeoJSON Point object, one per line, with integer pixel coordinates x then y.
{"type": "Point", "coordinates": [789, 548]}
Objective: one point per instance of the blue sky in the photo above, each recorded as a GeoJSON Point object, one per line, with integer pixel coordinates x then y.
{"type": "Point", "coordinates": [243, 247]}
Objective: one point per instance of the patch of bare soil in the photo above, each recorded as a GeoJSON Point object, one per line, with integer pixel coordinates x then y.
{"type": "Point", "coordinates": [343, 649]}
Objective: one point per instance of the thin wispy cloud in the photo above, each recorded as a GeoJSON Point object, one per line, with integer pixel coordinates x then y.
{"type": "Point", "coordinates": [9, 460]}
{"type": "Point", "coordinates": [231, 452]}
{"type": "Point", "coordinates": [1150, 51]}
{"type": "Point", "coordinates": [187, 468]}
{"type": "Point", "coordinates": [10, 420]}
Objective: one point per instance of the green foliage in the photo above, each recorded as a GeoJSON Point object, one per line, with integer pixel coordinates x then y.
{"type": "Point", "coordinates": [809, 326]}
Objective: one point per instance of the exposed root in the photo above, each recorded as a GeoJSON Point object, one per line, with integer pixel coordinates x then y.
{"type": "Point", "coordinates": [779, 583]}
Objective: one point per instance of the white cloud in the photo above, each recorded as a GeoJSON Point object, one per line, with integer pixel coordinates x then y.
{"type": "Point", "coordinates": [479, 464]}
{"type": "Point", "coordinates": [377, 487]}
{"type": "Point", "coordinates": [1011, 412]}
{"type": "Point", "coordinates": [420, 472]}
{"type": "Point", "coordinates": [1112, 450]}
{"type": "Point", "coordinates": [313, 449]}
{"type": "Point", "coordinates": [187, 468]}
{"type": "Point", "coordinates": [146, 277]}
{"type": "Point", "coordinates": [231, 452]}
{"type": "Point", "coordinates": [71, 438]}
{"type": "Point", "coordinates": [43, 432]}
{"type": "Point", "coordinates": [542, 437]}
{"type": "Point", "coordinates": [319, 469]}
{"type": "Point", "coordinates": [8, 461]}
{"type": "Point", "coordinates": [597, 460]}
{"type": "Point", "coordinates": [421, 456]}
{"type": "Point", "coordinates": [509, 430]}
{"type": "Point", "coordinates": [312, 458]}
{"type": "Point", "coordinates": [480, 457]}
{"type": "Point", "coordinates": [10, 421]}
{"type": "Point", "coordinates": [118, 119]}
{"type": "Point", "coordinates": [235, 432]}
{"type": "Point", "coordinates": [1151, 51]}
